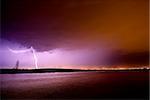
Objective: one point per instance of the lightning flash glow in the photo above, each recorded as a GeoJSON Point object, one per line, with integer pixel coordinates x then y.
{"type": "Point", "coordinates": [27, 50]}
{"type": "Point", "coordinates": [35, 57]}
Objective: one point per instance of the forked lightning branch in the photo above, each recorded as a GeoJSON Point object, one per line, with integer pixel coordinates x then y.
{"type": "Point", "coordinates": [27, 50]}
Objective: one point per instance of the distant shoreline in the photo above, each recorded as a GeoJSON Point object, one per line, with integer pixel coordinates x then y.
{"type": "Point", "coordinates": [19, 71]}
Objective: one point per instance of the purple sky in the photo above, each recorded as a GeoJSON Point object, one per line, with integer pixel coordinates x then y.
{"type": "Point", "coordinates": [77, 32]}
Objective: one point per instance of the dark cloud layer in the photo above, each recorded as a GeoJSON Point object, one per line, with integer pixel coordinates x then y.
{"type": "Point", "coordinates": [48, 24]}
{"type": "Point", "coordinates": [136, 58]}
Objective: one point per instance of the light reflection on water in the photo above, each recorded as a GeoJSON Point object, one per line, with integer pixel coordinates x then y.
{"type": "Point", "coordinates": [5, 77]}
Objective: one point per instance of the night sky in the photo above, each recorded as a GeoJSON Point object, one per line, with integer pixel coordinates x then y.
{"type": "Point", "coordinates": [110, 31]}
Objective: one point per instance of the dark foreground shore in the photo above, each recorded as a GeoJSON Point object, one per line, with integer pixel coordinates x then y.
{"type": "Point", "coordinates": [76, 85]}
{"type": "Point", "coordinates": [50, 70]}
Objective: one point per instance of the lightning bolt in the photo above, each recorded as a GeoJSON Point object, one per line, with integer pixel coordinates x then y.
{"type": "Point", "coordinates": [19, 51]}
{"type": "Point", "coordinates": [35, 57]}
{"type": "Point", "coordinates": [27, 50]}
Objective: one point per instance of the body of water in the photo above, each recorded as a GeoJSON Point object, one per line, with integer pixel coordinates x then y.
{"type": "Point", "coordinates": [79, 85]}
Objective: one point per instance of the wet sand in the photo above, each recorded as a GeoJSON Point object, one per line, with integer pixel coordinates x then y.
{"type": "Point", "coordinates": [77, 85]}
